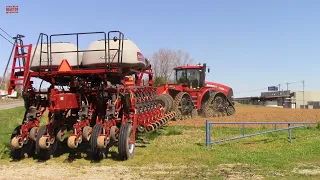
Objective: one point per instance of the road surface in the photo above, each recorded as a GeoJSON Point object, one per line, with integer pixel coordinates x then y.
{"type": "Point", "coordinates": [10, 105]}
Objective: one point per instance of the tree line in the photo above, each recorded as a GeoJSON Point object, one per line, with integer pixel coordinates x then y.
{"type": "Point", "coordinates": [164, 60]}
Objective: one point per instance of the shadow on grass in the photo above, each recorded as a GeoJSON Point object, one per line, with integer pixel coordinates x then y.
{"type": "Point", "coordinates": [84, 149]}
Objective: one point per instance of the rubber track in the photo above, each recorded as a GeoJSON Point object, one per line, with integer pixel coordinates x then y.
{"type": "Point", "coordinates": [230, 104]}
{"type": "Point", "coordinates": [216, 114]}
{"type": "Point", "coordinates": [206, 108]}
{"type": "Point", "coordinates": [177, 100]}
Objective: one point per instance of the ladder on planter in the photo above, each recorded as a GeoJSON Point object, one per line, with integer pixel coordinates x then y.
{"type": "Point", "coordinates": [20, 65]}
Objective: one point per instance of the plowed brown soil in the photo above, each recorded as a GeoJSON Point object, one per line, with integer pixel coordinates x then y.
{"type": "Point", "coordinates": [259, 114]}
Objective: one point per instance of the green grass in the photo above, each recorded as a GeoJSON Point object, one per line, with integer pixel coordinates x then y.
{"type": "Point", "coordinates": [9, 119]}
{"type": "Point", "coordinates": [264, 154]}
{"type": "Point", "coordinates": [182, 149]}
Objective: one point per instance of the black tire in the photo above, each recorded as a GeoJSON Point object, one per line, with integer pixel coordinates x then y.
{"type": "Point", "coordinates": [171, 100]}
{"type": "Point", "coordinates": [164, 102]}
{"type": "Point", "coordinates": [96, 153]}
{"type": "Point", "coordinates": [45, 154]}
{"type": "Point", "coordinates": [126, 150]}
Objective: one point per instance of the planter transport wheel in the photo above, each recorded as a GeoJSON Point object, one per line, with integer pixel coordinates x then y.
{"type": "Point", "coordinates": [126, 148]}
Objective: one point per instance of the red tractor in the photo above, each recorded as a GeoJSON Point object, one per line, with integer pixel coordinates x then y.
{"type": "Point", "coordinates": [190, 94]}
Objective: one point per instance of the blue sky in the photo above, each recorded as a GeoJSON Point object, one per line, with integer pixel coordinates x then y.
{"type": "Point", "coordinates": [248, 44]}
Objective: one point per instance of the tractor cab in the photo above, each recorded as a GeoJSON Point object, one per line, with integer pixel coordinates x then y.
{"type": "Point", "coordinates": [191, 76]}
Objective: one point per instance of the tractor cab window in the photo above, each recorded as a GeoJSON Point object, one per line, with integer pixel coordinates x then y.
{"type": "Point", "coordinates": [181, 76]}
{"type": "Point", "coordinates": [190, 76]}
{"type": "Point", "coordinates": [194, 77]}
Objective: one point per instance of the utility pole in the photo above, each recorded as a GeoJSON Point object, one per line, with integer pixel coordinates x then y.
{"type": "Point", "coordinates": [278, 99]}
{"type": "Point", "coordinates": [287, 86]}
{"type": "Point", "coordinates": [303, 93]}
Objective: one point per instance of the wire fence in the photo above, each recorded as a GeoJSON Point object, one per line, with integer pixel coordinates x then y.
{"type": "Point", "coordinates": [244, 135]}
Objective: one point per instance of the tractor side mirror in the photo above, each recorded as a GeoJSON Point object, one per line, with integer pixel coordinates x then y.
{"type": "Point", "coordinates": [208, 70]}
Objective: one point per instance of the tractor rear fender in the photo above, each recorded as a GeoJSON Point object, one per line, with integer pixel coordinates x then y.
{"type": "Point", "coordinates": [169, 89]}
{"type": "Point", "coordinates": [173, 93]}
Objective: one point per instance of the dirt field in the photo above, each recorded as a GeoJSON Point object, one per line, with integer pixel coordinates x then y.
{"type": "Point", "coordinates": [258, 114]}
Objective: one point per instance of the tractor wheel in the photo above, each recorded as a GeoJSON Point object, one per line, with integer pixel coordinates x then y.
{"type": "Point", "coordinates": [164, 101]}
{"type": "Point", "coordinates": [171, 100]}
{"type": "Point", "coordinates": [45, 147]}
{"type": "Point", "coordinates": [183, 103]}
{"type": "Point", "coordinates": [126, 146]}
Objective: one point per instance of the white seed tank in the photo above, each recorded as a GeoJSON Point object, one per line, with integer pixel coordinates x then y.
{"type": "Point", "coordinates": [56, 58]}
{"type": "Point", "coordinates": [131, 57]}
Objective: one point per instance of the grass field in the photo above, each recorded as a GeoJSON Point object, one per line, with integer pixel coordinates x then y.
{"type": "Point", "coordinates": [179, 152]}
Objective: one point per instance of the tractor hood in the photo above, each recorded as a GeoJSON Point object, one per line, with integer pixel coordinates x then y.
{"type": "Point", "coordinates": [219, 87]}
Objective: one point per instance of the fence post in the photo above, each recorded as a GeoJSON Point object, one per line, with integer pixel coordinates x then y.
{"type": "Point", "coordinates": [243, 129]}
{"type": "Point", "coordinates": [290, 134]}
{"type": "Point", "coordinates": [207, 133]}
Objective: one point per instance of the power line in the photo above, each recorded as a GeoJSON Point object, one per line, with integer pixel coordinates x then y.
{"type": "Point", "coordinates": [253, 90]}
{"type": "Point", "coordinates": [275, 85]}
{"type": "Point", "coordinates": [6, 33]}
{"type": "Point", "coordinates": [6, 39]}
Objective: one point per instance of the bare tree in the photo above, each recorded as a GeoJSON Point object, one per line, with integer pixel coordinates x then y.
{"type": "Point", "coordinates": [164, 60]}
{"type": "Point", "coordinates": [5, 81]}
